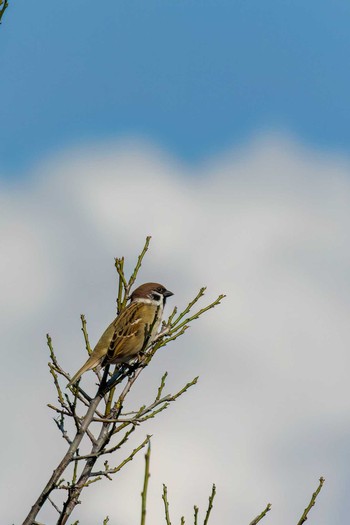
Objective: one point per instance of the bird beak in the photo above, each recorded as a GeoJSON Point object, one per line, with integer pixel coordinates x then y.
{"type": "Point", "coordinates": [167, 293]}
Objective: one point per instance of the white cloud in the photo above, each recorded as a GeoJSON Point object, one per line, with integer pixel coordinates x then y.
{"type": "Point", "coordinates": [269, 227]}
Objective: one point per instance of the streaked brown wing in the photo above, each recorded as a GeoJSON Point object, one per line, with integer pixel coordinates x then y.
{"type": "Point", "coordinates": [129, 334]}
{"type": "Point", "coordinates": [125, 328]}
{"type": "Point", "coordinates": [109, 339]}
{"type": "Point", "coordinates": [123, 338]}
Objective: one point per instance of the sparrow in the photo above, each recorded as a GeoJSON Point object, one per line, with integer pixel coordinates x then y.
{"type": "Point", "coordinates": [126, 336]}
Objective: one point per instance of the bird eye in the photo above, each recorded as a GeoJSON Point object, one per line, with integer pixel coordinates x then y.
{"type": "Point", "coordinates": [160, 289]}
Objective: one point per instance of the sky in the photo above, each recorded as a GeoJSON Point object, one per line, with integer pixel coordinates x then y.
{"type": "Point", "coordinates": [221, 129]}
{"type": "Point", "coordinates": [195, 78]}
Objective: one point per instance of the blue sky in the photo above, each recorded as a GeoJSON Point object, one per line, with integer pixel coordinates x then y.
{"type": "Point", "coordinates": [193, 77]}
{"type": "Point", "coordinates": [267, 225]}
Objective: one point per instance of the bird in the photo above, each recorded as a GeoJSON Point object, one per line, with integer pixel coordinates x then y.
{"type": "Point", "coordinates": [131, 330]}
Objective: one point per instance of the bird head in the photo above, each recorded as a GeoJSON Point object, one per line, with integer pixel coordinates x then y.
{"type": "Point", "coordinates": [152, 291]}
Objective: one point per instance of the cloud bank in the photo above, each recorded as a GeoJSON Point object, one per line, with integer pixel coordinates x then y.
{"type": "Point", "coordinates": [269, 226]}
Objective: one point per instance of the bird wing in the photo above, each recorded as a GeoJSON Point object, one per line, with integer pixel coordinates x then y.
{"type": "Point", "coordinates": [121, 328]}
{"type": "Point", "coordinates": [122, 339]}
{"type": "Point", "coordinates": [125, 338]}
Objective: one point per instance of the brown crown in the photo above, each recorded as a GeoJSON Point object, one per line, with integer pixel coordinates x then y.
{"type": "Point", "coordinates": [146, 289]}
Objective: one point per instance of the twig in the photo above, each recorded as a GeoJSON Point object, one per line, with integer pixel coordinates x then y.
{"type": "Point", "coordinates": [123, 440]}
{"type": "Point", "coordinates": [312, 502]}
{"type": "Point", "coordinates": [162, 341]}
{"type": "Point", "coordinates": [75, 469]}
{"type": "Point", "coordinates": [184, 389]}
{"type": "Point", "coordinates": [210, 505]}
{"type": "Point", "coordinates": [139, 262]}
{"type": "Point", "coordinates": [261, 515]}
{"type": "Point", "coordinates": [87, 345]}
{"type": "Point", "coordinates": [131, 456]}
{"type": "Point", "coordinates": [166, 504]}
{"type": "Point", "coordinates": [195, 508]}
{"type": "Point", "coordinates": [59, 410]}
{"type": "Point", "coordinates": [190, 305]}
{"type": "Point", "coordinates": [86, 336]}
{"type": "Point", "coordinates": [54, 505]}
{"type": "Point", "coordinates": [171, 316]}
{"type": "Point", "coordinates": [123, 285]}
{"type": "Point", "coordinates": [119, 264]}
{"type": "Point", "coordinates": [72, 407]}
{"type": "Point", "coordinates": [145, 485]}
{"type": "Point", "coordinates": [60, 425]}
{"type": "Point", "coordinates": [105, 451]}
{"type": "Point", "coordinates": [177, 326]}
{"type": "Point", "coordinates": [141, 415]}
{"type": "Point", "coordinates": [56, 368]}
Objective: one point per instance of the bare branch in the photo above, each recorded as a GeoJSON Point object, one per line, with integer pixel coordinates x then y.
{"type": "Point", "coordinates": [176, 326]}
{"type": "Point", "coordinates": [119, 264]}
{"type": "Point", "coordinates": [261, 515]}
{"type": "Point", "coordinates": [195, 508]}
{"type": "Point", "coordinates": [54, 506]}
{"type": "Point", "coordinates": [86, 336]}
{"type": "Point", "coordinates": [162, 385]}
{"type": "Point", "coordinates": [210, 505]}
{"type": "Point", "coordinates": [166, 505]}
{"type": "Point", "coordinates": [131, 456]}
{"type": "Point", "coordinates": [123, 288]}
{"type": "Point", "coordinates": [145, 485]}
{"type": "Point", "coordinates": [312, 502]}
{"type": "Point", "coordinates": [189, 306]}
{"type": "Point", "coordinates": [139, 262]}
{"type": "Point", "coordinates": [60, 425]}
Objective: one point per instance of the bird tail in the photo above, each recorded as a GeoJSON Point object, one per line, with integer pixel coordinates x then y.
{"type": "Point", "coordinates": [92, 362]}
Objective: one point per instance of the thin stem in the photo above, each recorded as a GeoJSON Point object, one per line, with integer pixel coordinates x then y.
{"type": "Point", "coordinates": [54, 505]}
{"type": "Point", "coordinates": [261, 515]}
{"type": "Point", "coordinates": [124, 462]}
{"type": "Point", "coordinates": [189, 306]}
{"type": "Point", "coordinates": [210, 505]}
{"type": "Point", "coordinates": [161, 386]}
{"type": "Point", "coordinates": [177, 326]}
{"type": "Point", "coordinates": [86, 336]}
{"type": "Point", "coordinates": [119, 264]}
{"type": "Point", "coordinates": [312, 502]}
{"type": "Point", "coordinates": [145, 485]}
{"type": "Point", "coordinates": [195, 508]}
{"type": "Point", "coordinates": [139, 262]}
{"type": "Point", "coordinates": [166, 505]}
